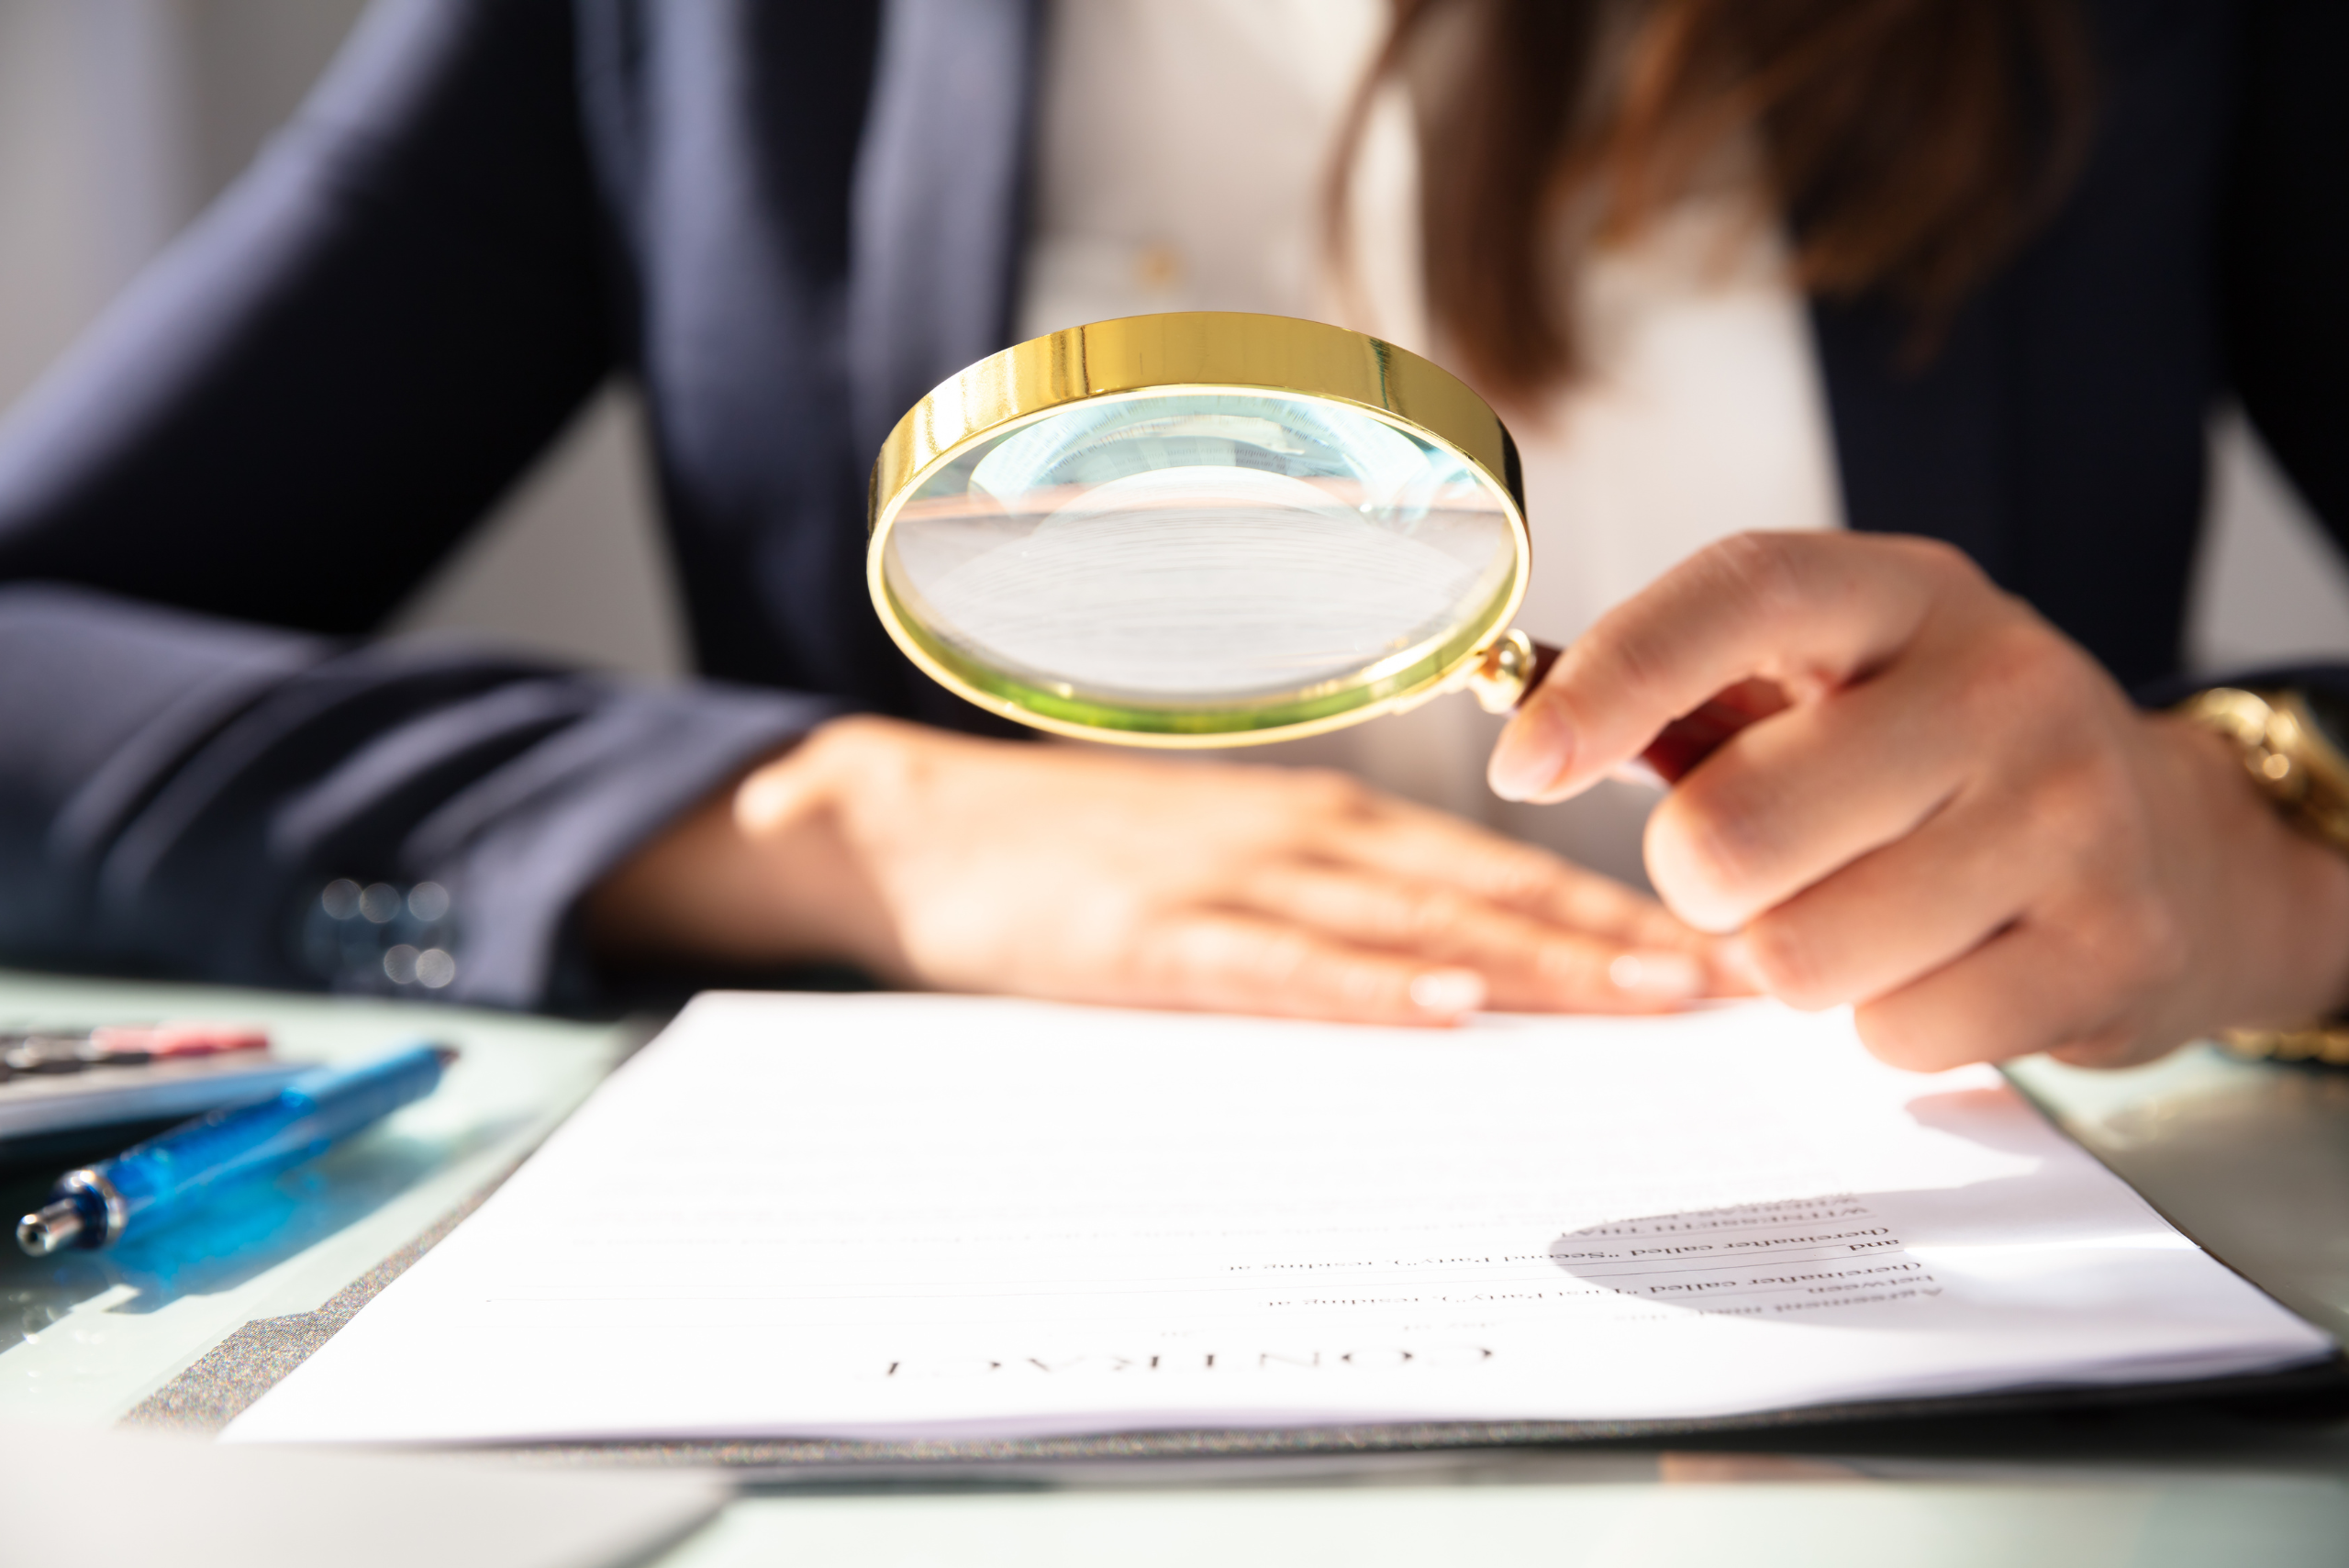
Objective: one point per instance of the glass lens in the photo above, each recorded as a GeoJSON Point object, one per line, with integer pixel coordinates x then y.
{"type": "Point", "coordinates": [1198, 558]}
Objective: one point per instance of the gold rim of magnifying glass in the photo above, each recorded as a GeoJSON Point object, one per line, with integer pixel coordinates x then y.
{"type": "Point", "coordinates": [1203, 351]}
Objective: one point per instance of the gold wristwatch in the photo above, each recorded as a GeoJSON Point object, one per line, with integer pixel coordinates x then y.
{"type": "Point", "coordinates": [2292, 745]}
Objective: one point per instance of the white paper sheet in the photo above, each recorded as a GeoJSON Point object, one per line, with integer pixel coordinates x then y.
{"type": "Point", "coordinates": [916, 1215]}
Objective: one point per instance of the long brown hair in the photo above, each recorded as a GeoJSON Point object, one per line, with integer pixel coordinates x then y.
{"type": "Point", "coordinates": [1909, 145]}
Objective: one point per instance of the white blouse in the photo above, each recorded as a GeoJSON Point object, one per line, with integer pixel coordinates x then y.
{"type": "Point", "coordinates": [1183, 153]}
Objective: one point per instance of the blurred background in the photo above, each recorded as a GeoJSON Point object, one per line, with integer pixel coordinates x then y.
{"type": "Point", "coordinates": [120, 119]}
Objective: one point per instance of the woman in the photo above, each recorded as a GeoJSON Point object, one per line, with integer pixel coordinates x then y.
{"type": "Point", "coordinates": [787, 223]}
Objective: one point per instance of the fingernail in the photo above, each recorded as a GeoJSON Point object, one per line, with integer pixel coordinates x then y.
{"type": "Point", "coordinates": [1448, 993]}
{"type": "Point", "coordinates": [1532, 752]}
{"type": "Point", "coordinates": [1664, 976]}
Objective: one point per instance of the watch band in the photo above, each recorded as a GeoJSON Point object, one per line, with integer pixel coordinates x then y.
{"type": "Point", "coordinates": [2285, 752]}
{"type": "Point", "coordinates": [2321, 1042]}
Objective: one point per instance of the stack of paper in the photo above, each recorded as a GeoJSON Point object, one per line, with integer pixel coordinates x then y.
{"type": "Point", "coordinates": [933, 1217]}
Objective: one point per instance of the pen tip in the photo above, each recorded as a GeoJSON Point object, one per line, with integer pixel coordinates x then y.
{"type": "Point", "coordinates": [43, 1233]}
{"type": "Point", "coordinates": [447, 1053]}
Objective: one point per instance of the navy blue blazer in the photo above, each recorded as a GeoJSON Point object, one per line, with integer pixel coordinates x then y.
{"type": "Point", "coordinates": [784, 222]}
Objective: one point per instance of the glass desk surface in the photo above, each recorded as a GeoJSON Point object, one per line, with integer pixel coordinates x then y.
{"type": "Point", "coordinates": [2250, 1160]}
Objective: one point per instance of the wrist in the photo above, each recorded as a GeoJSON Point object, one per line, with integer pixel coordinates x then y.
{"type": "Point", "coordinates": [761, 872]}
{"type": "Point", "coordinates": [2278, 899]}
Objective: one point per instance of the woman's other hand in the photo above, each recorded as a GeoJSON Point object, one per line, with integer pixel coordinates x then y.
{"type": "Point", "coordinates": [935, 860]}
{"type": "Point", "coordinates": [1959, 823]}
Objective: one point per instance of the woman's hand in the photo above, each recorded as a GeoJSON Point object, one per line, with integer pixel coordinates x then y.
{"type": "Point", "coordinates": [935, 860]}
{"type": "Point", "coordinates": [1958, 822]}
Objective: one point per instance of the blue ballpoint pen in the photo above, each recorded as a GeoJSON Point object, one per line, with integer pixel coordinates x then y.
{"type": "Point", "coordinates": [145, 1184]}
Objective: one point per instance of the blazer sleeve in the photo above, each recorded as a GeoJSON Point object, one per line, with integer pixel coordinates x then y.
{"type": "Point", "coordinates": [2285, 261]}
{"type": "Point", "coordinates": [180, 796]}
{"type": "Point", "coordinates": [255, 455]}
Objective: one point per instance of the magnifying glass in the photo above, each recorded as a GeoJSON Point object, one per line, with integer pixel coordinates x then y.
{"type": "Point", "coordinates": [1204, 528]}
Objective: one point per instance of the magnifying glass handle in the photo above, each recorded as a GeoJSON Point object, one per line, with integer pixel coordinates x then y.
{"type": "Point", "coordinates": [1516, 664]}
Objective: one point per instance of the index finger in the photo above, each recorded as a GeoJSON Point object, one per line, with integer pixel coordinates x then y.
{"type": "Point", "coordinates": [1808, 612]}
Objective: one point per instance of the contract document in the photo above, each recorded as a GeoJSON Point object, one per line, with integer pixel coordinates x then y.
{"type": "Point", "coordinates": [932, 1217]}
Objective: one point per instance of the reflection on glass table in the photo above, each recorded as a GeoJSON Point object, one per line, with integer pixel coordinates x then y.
{"type": "Point", "coordinates": [84, 1336]}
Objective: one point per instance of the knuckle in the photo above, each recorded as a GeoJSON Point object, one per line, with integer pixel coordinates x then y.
{"type": "Point", "coordinates": [1522, 876]}
{"type": "Point", "coordinates": [2024, 683]}
{"type": "Point", "coordinates": [1166, 962]}
{"type": "Point", "coordinates": [1637, 664]}
{"type": "Point", "coordinates": [1795, 960]}
{"type": "Point", "coordinates": [1941, 559]}
{"type": "Point", "coordinates": [1293, 973]}
{"type": "Point", "coordinates": [2020, 691]}
{"type": "Point", "coordinates": [1744, 579]}
{"type": "Point", "coordinates": [1271, 971]}
{"type": "Point", "coordinates": [1580, 969]}
{"type": "Point", "coordinates": [1769, 579]}
{"type": "Point", "coordinates": [1765, 569]}
{"type": "Point", "coordinates": [1426, 916]}
{"type": "Point", "coordinates": [1913, 1038]}
{"type": "Point", "coordinates": [860, 743]}
{"type": "Point", "coordinates": [2110, 907]}
{"type": "Point", "coordinates": [1282, 961]}
{"type": "Point", "coordinates": [2011, 657]}
{"type": "Point", "coordinates": [2087, 803]}
{"type": "Point", "coordinates": [1714, 844]}
{"type": "Point", "coordinates": [1364, 985]}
